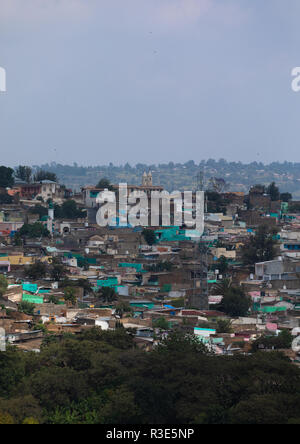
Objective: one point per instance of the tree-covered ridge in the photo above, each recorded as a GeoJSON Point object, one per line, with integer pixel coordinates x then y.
{"type": "Point", "coordinates": [101, 377]}
{"type": "Point", "coordinates": [172, 176]}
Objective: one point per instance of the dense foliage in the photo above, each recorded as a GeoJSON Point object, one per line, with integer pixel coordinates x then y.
{"type": "Point", "coordinates": [68, 210]}
{"type": "Point", "coordinates": [26, 307]}
{"type": "Point", "coordinates": [100, 377]}
{"type": "Point", "coordinates": [235, 302]}
{"type": "Point", "coordinates": [24, 173]}
{"type": "Point", "coordinates": [149, 236]}
{"type": "Point", "coordinates": [45, 175]}
{"type": "Point", "coordinates": [34, 230]}
{"type": "Point", "coordinates": [107, 294]}
{"type": "Point", "coordinates": [3, 284]}
{"type": "Point", "coordinates": [282, 341]}
{"type": "Point", "coordinates": [105, 184]}
{"type": "Point", "coordinates": [175, 176]}
{"type": "Point", "coordinates": [160, 266]}
{"type": "Point", "coordinates": [37, 270]}
{"type": "Point", "coordinates": [260, 247]}
{"type": "Point", "coordinates": [273, 192]}
{"type": "Point", "coordinates": [5, 199]}
{"type": "Point", "coordinates": [6, 177]}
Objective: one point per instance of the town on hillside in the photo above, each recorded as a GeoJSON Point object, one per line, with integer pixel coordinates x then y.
{"type": "Point", "coordinates": [236, 286]}
{"type": "Point", "coordinates": [234, 289]}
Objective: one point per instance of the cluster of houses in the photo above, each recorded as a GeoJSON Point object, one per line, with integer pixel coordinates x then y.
{"type": "Point", "coordinates": [155, 287]}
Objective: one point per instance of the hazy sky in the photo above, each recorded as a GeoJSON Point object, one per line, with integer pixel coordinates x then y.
{"type": "Point", "coordinates": [99, 81]}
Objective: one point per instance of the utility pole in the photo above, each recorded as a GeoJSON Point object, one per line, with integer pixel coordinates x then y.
{"type": "Point", "coordinates": [200, 186]}
{"type": "Point", "coordinates": [200, 294]}
{"type": "Point", "coordinates": [203, 297]}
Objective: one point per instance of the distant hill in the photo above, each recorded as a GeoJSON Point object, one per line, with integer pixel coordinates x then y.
{"type": "Point", "coordinates": [177, 176]}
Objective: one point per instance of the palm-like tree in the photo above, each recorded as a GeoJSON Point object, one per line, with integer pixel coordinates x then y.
{"type": "Point", "coordinates": [222, 287]}
{"type": "Point", "coordinates": [108, 294]}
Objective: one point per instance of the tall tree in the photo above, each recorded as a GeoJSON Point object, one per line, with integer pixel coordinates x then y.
{"type": "Point", "coordinates": [217, 184]}
{"type": "Point", "coordinates": [286, 197]}
{"type": "Point", "coordinates": [105, 183]}
{"type": "Point", "coordinates": [27, 308]}
{"type": "Point", "coordinates": [6, 177]}
{"type": "Point", "coordinates": [70, 295]}
{"type": "Point", "coordinates": [3, 284]}
{"type": "Point", "coordinates": [69, 210]}
{"type": "Point", "coordinates": [123, 307]}
{"type": "Point", "coordinates": [149, 236]}
{"type": "Point", "coordinates": [260, 247]}
{"type": "Point", "coordinates": [45, 175]}
{"type": "Point", "coordinates": [107, 294]}
{"type": "Point", "coordinates": [273, 191]}
{"type": "Point", "coordinates": [36, 271]}
{"type": "Point", "coordinates": [24, 173]}
{"type": "Point", "coordinates": [34, 230]}
{"type": "Point", "coordinates": [222, 265]}
{"type": "Point", "coordinates": [235, 302]}
{"type": "Point", "coordinates": [222, 287]}
{"type": "Point", "coordinates": [6, 199]}
{"type": "Point", "coordinates": [58, 270]}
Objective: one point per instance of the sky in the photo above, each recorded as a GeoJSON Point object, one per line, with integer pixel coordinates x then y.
{"type": "Point", "coordinates": [151, 81]}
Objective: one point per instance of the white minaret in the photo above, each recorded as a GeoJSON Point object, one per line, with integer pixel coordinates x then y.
{"type": "Point", "coordinates": [50, 217]}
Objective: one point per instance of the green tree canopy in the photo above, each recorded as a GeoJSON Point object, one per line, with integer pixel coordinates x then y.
{"type": "Point", "coordinates": [273, 191]}
{"type": "Point", "coordinates": [40, 210]}
{"type": "Point", "coordinates": [149, 236]}
{"type": "Point", "coordinates": [3, 284]}
{"type": "Point", "coordinates": [224, 326]}
{"type": "Point", "coordinates": [97, 377]}
{"type": "Point", "coordinates": [34, 230]}
{"type": "Point", "coordinates": [235, 303]}
{"type": "Point", "coordinates": [160, 323]}
{"type": "Point", "coordinates": [123, 307]}
{"type": "Point", "coordinates": [5, 199]}
{"type": "Point", "coordinates": [68, 210]}
{"type": "Point", "coordinates": [24, 173]}
{"type": "Point", "coordinates": [260, 247]}
{"type": "Point", "coordinates": [36, 271]}
{"type": "Point", "coordinates": [282, 341]}
{"type": "Point", "coordinates": [222, 265]}
{"type": "Point", "coordinates": [27, 308]}
{"type": "Point", "coordinates": [222, 287]}
{"type": "Point", "coordinates": [45, 175]}
{"type": "Point", "coordinates": [6, 177]}
{"type": "Point", "coordinates": [58, 270]}
{"type": "Point", "coordinates": [105, 183]}
{"type": "Point", "coordinates": [107, 294]}
{"type": "Point", "coordinates": [70, 295]}
{"type": "Point", "coordinates": [286, 197]}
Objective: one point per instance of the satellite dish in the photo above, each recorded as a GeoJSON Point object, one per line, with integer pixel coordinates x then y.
{"type": "Point", "coordinates": [296, 345]}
